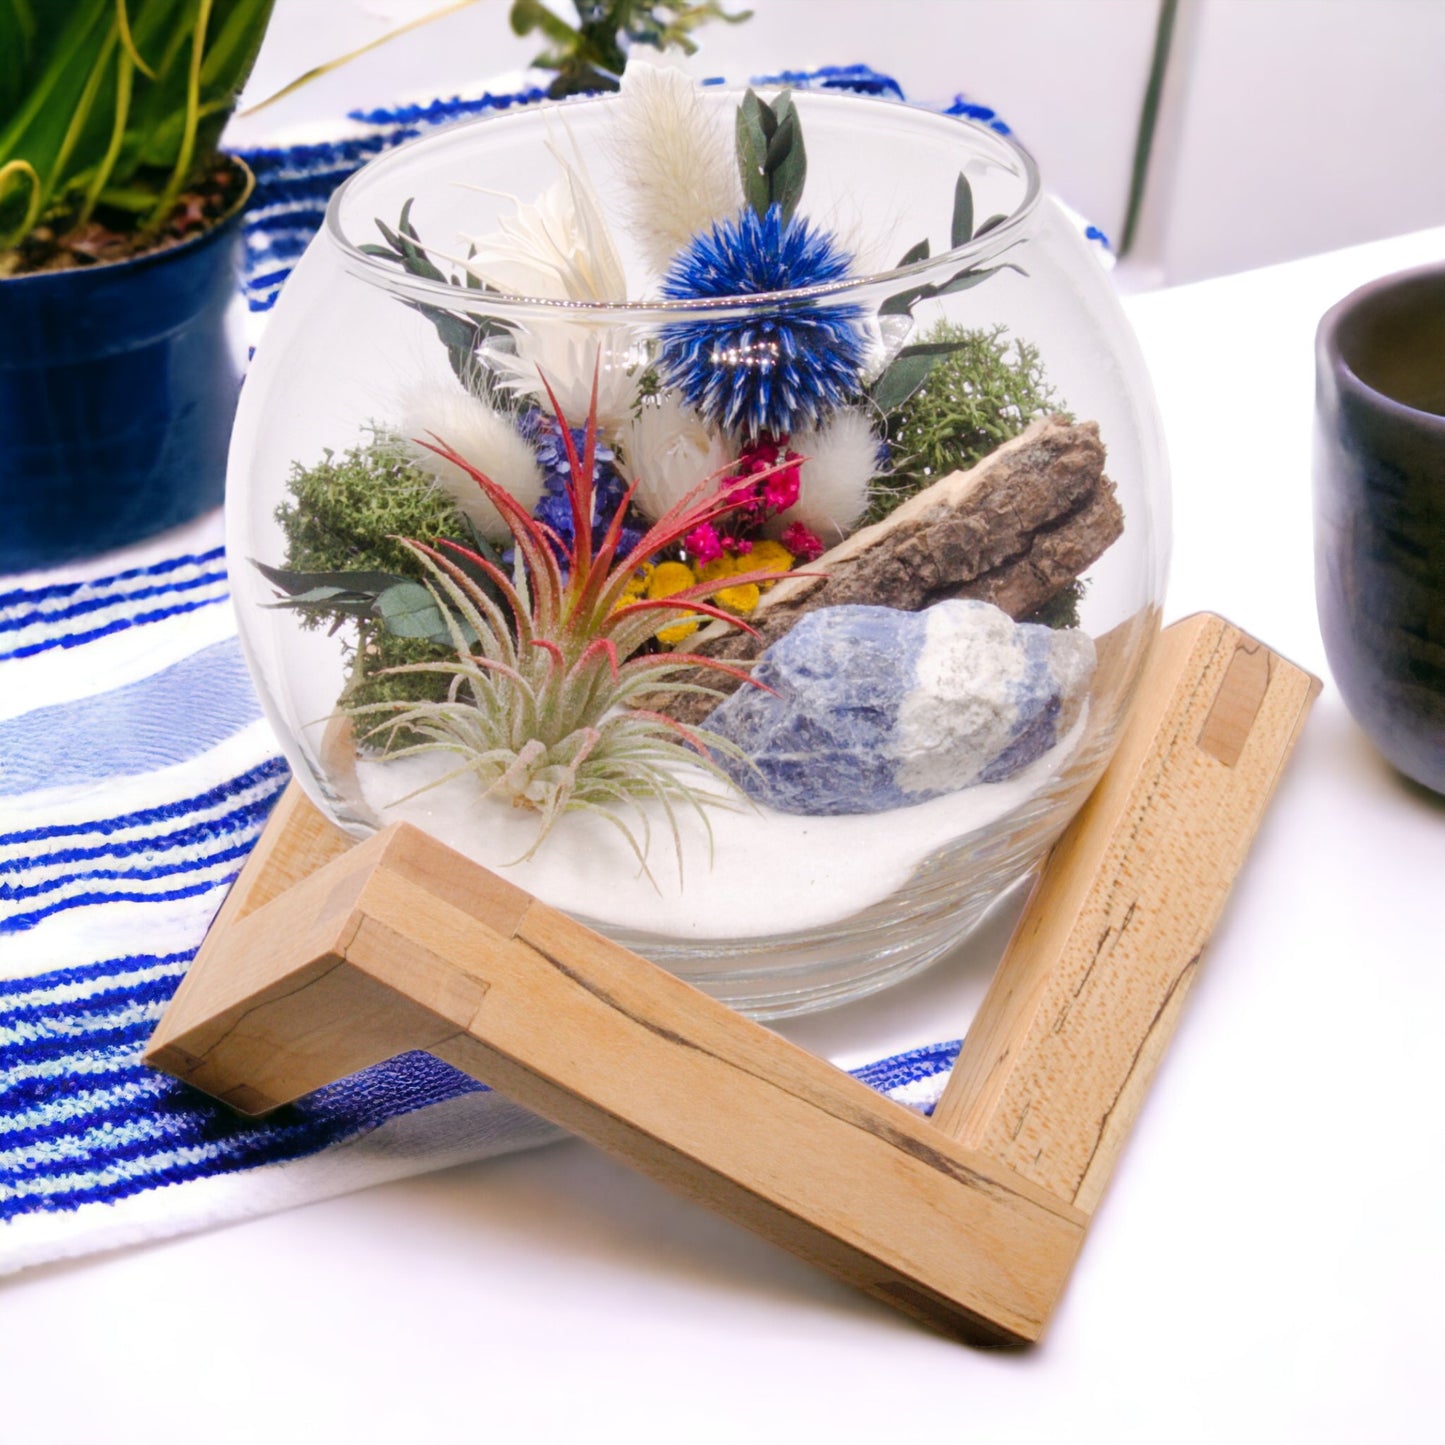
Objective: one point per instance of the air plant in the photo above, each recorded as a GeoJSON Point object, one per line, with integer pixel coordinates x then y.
{"type": "Point", "coordinates": [549, 693]}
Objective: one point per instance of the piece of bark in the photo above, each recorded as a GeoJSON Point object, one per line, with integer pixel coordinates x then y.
{"type": "Point", "coordinates": [1013, 530]}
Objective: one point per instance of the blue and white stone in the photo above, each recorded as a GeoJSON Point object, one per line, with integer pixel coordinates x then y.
{"type": "Point", "coordinates": [873, 708]}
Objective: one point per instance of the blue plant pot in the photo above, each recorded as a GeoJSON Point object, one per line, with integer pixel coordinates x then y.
{"type": "Point", "coordinates": [118, 387]}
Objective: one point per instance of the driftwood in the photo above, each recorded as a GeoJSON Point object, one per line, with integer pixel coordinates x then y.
{"type": "Point", "coordinates": [1014, 530]}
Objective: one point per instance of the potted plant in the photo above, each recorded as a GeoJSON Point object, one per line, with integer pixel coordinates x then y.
{"type": "Point", "coordinates": [118, 240]}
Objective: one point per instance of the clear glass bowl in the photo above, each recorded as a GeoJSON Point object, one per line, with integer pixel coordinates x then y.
{"type": "Point", "coordinates": [565, 211]}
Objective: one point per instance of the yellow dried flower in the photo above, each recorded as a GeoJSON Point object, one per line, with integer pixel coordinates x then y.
{"type": "Point", "coordinates": [637, 585]}
{"type": "Point", "coordinates": [741, 600]}
{"type": "Point", "coordinates": [769, 556]}
{"type": "Point", "coordinates": [718, 568]}
{"type": "Point", "coordinates": [667, 578]}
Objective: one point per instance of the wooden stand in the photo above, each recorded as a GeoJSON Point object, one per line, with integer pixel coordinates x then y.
{"type": "Point", "coordinates": [329, 956]}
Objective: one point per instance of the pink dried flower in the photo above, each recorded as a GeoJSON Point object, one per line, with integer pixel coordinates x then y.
{"type": "Point", "coordinates": [779, 481]}
{"type": "Point", "coordinates": [805, 546]}
{"type": "Point", "coordinates": [703, 544]}
{"type": "Point", "coordinates": [780, 490]}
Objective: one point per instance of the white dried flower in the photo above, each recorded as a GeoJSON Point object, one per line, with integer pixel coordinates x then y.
{"type": "Point", "coordinates": [667, 451]}
{"type": "Point", "coordinates": [833, 483]}
{"type": "Point", "coordinates": [558, 249]}
{"type": "Point", "coordinates": [565, 353]}
{"type": "Point", "coordinates": [486, 438]}
{"type": "Point", "coordinates": [677, 155]}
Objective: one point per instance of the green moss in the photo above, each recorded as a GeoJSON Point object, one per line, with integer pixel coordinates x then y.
{"type": "Point", "coordinates": [346, 511]}
{"type": "Point", "coordinates": [344, 515]}
{"type": "Point", "coordinates": [976, 397]}
{"type": "Point", "coordinates": [1062, 609]}
{"type": "Point", "coordinates": [379, 651]}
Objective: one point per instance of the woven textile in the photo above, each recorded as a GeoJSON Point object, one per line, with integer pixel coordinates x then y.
{"type": "Point", "coordinates": [136, 772]}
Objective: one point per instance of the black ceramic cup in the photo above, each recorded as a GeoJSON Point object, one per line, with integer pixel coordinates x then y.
{"type": "Point", "coordinates": [1379, 475]}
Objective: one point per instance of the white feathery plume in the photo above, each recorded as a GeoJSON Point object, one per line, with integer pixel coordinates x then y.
{"type": "Point", "coordinates": [667, 451]}
{"type": "Point", "coordinates": [833, 483]}
{"type": "Point", "coordinates": [486, 438]}
{"type": "Point", "coordinates": [677, 156]}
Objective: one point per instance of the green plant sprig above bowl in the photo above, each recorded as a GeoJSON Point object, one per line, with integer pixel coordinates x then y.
{"type": "Point", "coordinates": [591, 54]}
{"type": "Point", "coordinates": [110, 116]}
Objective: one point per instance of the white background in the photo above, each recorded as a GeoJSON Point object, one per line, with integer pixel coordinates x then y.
{"type": "Point", "coordinates": [1289, 127]}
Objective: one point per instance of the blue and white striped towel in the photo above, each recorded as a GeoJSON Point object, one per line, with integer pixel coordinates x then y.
{"type": "Point", "coordinates": [136, 772]}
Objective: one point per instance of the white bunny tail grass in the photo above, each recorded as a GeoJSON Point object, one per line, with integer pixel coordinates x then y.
{"type": "Point", "coordinates": [487, 438]}
{"type": "Point", "coordinates": [677, 155]}
{"type": "Point", "coordinates": [843, 457]}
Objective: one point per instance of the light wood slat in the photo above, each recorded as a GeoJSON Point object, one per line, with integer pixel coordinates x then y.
{"type": "Point", "coordinates": [1063, 1048]}
{"type": "Point", "coordinates": [597, 1039]}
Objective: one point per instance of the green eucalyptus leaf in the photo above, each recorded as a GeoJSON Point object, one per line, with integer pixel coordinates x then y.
{"type": "Point", "coordinates": [967, 280]}
{"type": "Point", "coordinates": [408, 609]}
{"type": "Point", "coordinates": [298, 583]}
{"type": "Point", "coordinates": [332, 601]}
{"type": "Point", "coordinates": [752, 144]}
{"type": "Point", "coordinates": [907, 373]}
{"type": "Point", "coordinates": [915, 253]}
{"type": "Point", "coordinates": [933, 348]}
{"type": "Point", "coordinates": [903, 302]}
{"type": "Point", "coordinates": [768, 117]}
{"type": "Point", "coordinates": [779, 145]}
{"type": "Point", "coordinates": [961, 230]}
{"type": "Point", "coordinates": [995, 220]}
{"type": "Point", "coordinates": [783, 106]}
{"type": "Point", "coordinates": [790, 173]}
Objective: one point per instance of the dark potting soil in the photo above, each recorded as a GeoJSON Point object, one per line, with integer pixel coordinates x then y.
{"type": "Point", "coordinates": [107, 237]}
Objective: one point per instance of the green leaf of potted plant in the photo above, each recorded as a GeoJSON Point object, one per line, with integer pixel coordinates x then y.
{"type": "Point", "coordinates": [118, 241]}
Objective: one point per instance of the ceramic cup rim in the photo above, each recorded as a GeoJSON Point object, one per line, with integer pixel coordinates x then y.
{"type": "Point", "coordinates": [1358, 302]}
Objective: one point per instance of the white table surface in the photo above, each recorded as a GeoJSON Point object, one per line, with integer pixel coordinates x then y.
{"type": "Point", "coordinates": [1267, 1265]}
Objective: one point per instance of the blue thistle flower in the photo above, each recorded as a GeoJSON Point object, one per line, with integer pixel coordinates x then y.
{"type": "Point", "coordinates": [762, 374]}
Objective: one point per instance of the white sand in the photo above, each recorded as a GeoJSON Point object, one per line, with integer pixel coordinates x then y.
{"type": "Point", "coordinates": [766, 872]}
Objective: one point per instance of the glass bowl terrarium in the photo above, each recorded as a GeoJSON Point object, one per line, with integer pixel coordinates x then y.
{"type": "Point", "coordinates": [737, 519]}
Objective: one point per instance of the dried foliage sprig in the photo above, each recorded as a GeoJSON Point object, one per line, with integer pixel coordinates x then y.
{"type": "Point", "coordinates": [458, 330]}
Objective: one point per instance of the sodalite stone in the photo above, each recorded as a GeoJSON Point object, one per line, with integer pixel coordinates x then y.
{"type": "Point", "coordinates": [877, 708]}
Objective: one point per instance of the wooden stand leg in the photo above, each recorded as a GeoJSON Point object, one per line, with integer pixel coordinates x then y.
{"type": "Point", "coordinates": [1061, 1053]}
{"type": "Point", "coordinates": [970, 1222]}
